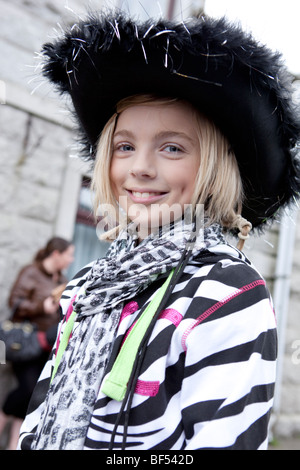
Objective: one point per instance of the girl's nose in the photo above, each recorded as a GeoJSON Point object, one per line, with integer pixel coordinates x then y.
{"type": "Point", "coordinates": [143, 166]}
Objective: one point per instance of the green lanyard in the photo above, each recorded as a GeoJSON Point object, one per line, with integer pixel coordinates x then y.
{"type": "Point", "coordinates": [115, 383]}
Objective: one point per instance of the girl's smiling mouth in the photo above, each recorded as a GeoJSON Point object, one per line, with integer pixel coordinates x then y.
{"type": "Point", "coordinates": [145, 195]}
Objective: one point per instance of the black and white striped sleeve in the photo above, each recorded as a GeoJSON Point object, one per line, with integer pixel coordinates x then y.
{"type": "Point", "coordinates": [231, 348]}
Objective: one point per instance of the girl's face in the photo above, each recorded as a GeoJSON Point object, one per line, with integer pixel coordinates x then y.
{"type": "Point", "coordinates": [155, 161]}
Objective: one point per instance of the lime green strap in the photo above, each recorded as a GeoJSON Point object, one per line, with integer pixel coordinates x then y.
{"type": "Point", "coordinates": [63, 342]}
{"type": "Point", "coordinates": [115, 383]}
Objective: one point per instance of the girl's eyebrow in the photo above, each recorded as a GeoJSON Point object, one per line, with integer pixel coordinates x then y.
{"type": "Point", "coordinates": [173, 135]}
{"type": "Point", "coordinates": [124, 133]}
{"type": "Point", "coordinates": [160, 135]}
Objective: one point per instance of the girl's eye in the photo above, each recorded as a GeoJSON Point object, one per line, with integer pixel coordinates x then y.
{"type": "Point", "coordinates": [124, 148]}
{"type": "Point", "coordinates": [174, 149]}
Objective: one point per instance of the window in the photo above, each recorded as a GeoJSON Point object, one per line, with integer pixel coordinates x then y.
{"type": "Point", "coordinates": [88, 247]}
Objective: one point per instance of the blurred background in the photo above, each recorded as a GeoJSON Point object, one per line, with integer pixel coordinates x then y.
{"type": "Point", "coordinates": [44, 186]}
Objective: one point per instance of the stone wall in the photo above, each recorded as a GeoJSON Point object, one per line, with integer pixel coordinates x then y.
{"type": "Point", "coordinates": [35, 141]}
{"type": "Point", "coordinates": [263, 252]}
{"type": "Point", "coordinates": [33, 163]}
{"type": "Point", "coordinates": [287, 421]}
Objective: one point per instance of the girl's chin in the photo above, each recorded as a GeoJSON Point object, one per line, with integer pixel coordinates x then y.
{"type": "Point", "coordinates": [154, 216]}
{"type": "Point", "coordinates": [146, 227]}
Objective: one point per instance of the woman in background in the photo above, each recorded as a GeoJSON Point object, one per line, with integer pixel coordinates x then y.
{"type": "Point", "coordinates": [33, 298]}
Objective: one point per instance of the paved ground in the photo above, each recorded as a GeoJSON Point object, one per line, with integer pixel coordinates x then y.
{"type": "Point", "coordinates": [286, 444]}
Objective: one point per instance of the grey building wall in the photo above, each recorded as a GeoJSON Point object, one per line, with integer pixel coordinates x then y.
{"type": "Point", "coordinates": [35, 140]}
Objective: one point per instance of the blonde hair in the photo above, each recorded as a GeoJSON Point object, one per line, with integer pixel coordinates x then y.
{"type": "Point", "coordinates": [218, 184]}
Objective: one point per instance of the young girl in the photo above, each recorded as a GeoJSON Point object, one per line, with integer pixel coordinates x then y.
{"type": "Point", "coordinates": [169, 342]}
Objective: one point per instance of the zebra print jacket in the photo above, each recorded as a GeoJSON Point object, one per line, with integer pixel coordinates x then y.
{"type": "Point", "coordinates": [207, 378]}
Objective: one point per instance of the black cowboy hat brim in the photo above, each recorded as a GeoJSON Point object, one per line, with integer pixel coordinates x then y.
{"type": "Point", "coordinates": [240, 84]}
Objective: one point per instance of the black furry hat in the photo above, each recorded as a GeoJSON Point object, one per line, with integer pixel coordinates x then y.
{"type": "Point", "coordinates": [237, 82]}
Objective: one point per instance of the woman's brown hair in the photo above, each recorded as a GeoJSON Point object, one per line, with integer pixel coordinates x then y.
{"type": "Point", "coordinates": [54, 244]}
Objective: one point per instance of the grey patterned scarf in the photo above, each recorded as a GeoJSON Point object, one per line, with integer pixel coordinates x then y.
{"type": "Point", "coordinates": [128, 269]}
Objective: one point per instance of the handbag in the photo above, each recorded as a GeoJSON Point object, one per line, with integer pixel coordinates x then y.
{"type": "Point", "coordinates": [20, 341]}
